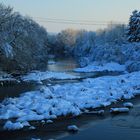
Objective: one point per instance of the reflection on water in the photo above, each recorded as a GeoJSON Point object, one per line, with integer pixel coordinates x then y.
{"type": "Point", "coordinates": [62, 65]}
{"type": "Point", "coordinates": [58, 65]}
{"type": "Point", "coordinates": [15, 90]}
{"type": "Point", "coordinates": [131, 121]}
{"type": "Point", "coordinates": [118, 127]}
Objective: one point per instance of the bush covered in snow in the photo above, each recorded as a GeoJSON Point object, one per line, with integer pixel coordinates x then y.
{"type": "Point", "coordinates": [103, 45]}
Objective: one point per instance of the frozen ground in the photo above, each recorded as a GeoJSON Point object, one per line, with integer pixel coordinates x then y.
{"type": "Point", "coordinates": [69, 99]}
{"type": "Point", "coordinates": [111, 67]}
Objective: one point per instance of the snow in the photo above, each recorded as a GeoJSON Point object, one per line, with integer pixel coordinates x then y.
{"type": "Point", "coordinates": [16, 125]}
{"type": "Point", "coordinates": [13, 126]}
{"type": "Point", "coordinates": [72, 128]}
{"type": "Point", "coordinates": [32, 128]}
{"type": "Point", "coordinates": [100, 112]}
{"type": "Point", "coordinates": [119, 110]}
{"type": "Point", "coordinates": [128, 104]}
{"type": "Point", "coordinates": [49, 121]}
{"type": "Point", "coordinates": [69, 99]}
{"type": "Point", "coordinates": [40, 76]}
{"type": "Point", "coordinates": [35, 139]}
{"type": "Point", "coordinates": [104, 67]}
{"type": "Point", "coordinates": [51, 62]}
{"type": "Point", "coordinates": [42, 121]}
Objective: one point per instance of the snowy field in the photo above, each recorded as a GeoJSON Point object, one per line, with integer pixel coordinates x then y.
{"type": "Point", "coordinates": [48, 103]}
{"type": "Point", "coordinates": [110, 67]}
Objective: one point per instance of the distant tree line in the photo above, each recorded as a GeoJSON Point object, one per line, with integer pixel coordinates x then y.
{"type": "Point", "coordinates": [25, 45]}
{"type": "Point", "coordinates": [119, 43]}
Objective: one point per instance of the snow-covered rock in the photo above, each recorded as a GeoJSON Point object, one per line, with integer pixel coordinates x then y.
{"type": "Point", "coordinates": [16, 125]}
{"type": "Point", "coordinates": [13, 126]}
{"type": "Point", "coordinates": [43, 121]}
{"type": "Point", "coordinates": [32, 128]}
{"type": "Point", "coordinates": [72, 128]}
{"type": "Point", "coordinates": [119, 110]}
{"type": "Point", "coordinates": [35, 139]}
{"type": "Point", "coordinates": [49, 121]}
{"type": "Point", "coordinates": [128, 104]}
{"type": "Point", "coordinates": [100, 112]}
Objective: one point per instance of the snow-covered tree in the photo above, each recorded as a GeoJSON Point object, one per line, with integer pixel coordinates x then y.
{"type": "Point", "coordinates": [133, 30]}
{"type": "Point", "coordinates": [23, 42]}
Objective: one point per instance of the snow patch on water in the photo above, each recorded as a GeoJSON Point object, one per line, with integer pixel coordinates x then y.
{"type": "Point", "coordinates": [104, 67]}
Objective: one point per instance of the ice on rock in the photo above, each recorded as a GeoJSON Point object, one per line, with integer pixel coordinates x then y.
{"type": "Point", "coordinates": [72, 128]}
{"type": "Point", "coordinates": [119, 110]}
{"type": "Point", "coordinates": [128, 104]}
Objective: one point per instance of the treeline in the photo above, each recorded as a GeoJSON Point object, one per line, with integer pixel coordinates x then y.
{"type": "Point", "coordinates": [23, 42]}
{"type": "Point", "coordinates": [117, 43]}
{"type": "Point", "coordinates": [25, 45]}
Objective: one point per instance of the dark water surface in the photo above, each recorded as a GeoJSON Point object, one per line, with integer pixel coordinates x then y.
{"type": "Point", "coordinates": [15, 90]}
{"type": "Point", "coordinates": [62, 65]}
{"type": "Point", "coordinates": [113, 127]}
{"type": "Point", "coordinates": [91, 127]}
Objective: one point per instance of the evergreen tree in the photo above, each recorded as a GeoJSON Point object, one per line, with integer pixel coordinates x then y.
{"type": "Point", "coordinates": [133, 31]}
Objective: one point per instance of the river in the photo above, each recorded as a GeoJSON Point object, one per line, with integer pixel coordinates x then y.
{"type": "Point", "coordinates": [92, 127]}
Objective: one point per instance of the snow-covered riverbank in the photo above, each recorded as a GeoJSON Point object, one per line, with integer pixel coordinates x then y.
{"type": "Point", "coordinates": [38, 76]}
{"type": "Point", "coordinates": [110, 67]}
{"type": "Point", "coordinates": [69, 99]}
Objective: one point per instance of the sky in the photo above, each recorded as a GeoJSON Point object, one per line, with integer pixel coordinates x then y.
{"type": "Point", "coordinates": [57, 15]}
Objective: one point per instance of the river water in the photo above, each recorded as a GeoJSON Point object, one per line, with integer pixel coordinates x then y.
{"type": "Point", "coordinates": [56, 65]}
{"type": "Point", "coordinates": [92, 127]}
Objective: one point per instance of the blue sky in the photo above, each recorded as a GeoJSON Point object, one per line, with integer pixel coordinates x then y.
{"type": "Point", "coordinates": [94, 10]}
